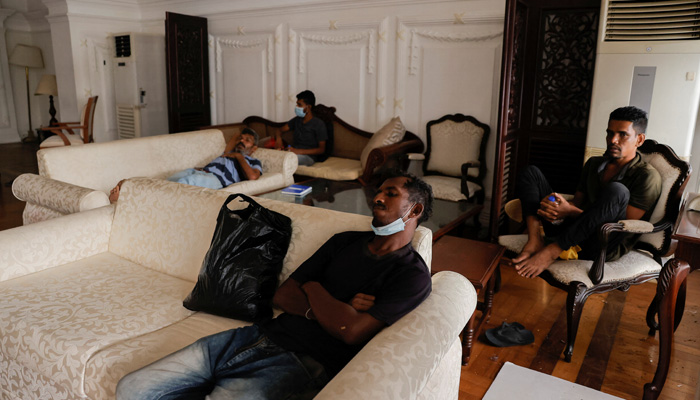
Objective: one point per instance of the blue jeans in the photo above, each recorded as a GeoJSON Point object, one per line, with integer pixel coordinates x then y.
{"type": "Point", "coordinates": [305, 159]}
{"type": "Point", "coordinates": [196, 177]}
{"type": "Point", "coordinates": [236, 364]}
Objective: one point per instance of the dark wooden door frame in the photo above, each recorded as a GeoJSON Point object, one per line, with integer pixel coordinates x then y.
{"type": "Point", "coordinates": [187, 55]}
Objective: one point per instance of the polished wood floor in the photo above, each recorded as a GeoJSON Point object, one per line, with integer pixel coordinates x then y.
{"type": "Point", "coordinates": [613, 352]}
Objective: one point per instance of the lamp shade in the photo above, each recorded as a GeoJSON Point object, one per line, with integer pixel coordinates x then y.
{"type": "Point", "coordinates": [27, 56]}
{"type": "Point", "coordinates": [47, 85]}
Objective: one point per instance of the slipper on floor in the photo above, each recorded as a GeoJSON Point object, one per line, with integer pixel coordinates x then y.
{"type": "Point", "coordinates": [509, 334]}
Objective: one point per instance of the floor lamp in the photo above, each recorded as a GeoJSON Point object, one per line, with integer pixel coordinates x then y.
{"type": "Point", "coordinates": [47, 85]}
{"type": "Point", "coordinates": [27, 57]}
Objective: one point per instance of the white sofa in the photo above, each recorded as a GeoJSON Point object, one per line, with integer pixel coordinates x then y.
{"type": "Point", "coordinates": [79, 178]}
{"type": "Point", "coordinates": [92, 296]}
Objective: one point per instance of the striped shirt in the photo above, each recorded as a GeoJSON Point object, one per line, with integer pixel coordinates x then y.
{"type": "Point", "coordinates": [226, 169]}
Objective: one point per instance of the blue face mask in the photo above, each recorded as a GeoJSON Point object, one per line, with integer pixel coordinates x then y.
{"type": "Point", "coordinates": [299, 111]}
{"type": "Point", "coordinates": [394, 227]}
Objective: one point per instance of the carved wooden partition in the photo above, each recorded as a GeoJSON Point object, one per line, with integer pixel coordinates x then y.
{"type": "Point", "coordinates": [546, 82]}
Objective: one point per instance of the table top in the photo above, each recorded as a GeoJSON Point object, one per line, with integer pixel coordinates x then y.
{"type": "Point", "coordinates": [688, 224]}
{"type": "Point", "coordinates": [475, 260]}
{"type": "Point", "coordinates": [354, 198]}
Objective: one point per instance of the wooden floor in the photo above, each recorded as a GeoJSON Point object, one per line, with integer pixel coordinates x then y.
{"type": "Point", "coordinates": [613, 352]}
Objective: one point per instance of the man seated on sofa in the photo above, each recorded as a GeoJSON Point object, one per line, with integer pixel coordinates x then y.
{"type": "Point", "coordinates": [334, 303]}
{"type": "Point", "coordinates": [234, 165]}
{"type": "Point", "coordinates": [310, 136]}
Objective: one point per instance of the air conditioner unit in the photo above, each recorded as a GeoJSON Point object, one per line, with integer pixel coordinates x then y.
{"type": "Point", "coordinates": [140, 85]}
{"type": "Point", "coordinates": [648, 55]}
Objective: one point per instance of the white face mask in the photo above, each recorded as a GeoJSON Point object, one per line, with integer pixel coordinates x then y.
{"type": "Point", "coordinates": [299, 111]}
{"type": "Point", "coordinates": [394, 227]}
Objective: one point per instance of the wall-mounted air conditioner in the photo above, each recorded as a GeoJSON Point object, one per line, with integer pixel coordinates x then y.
{"type": "Point", "coordinates": [648, 55]}
{"type": "Point", "coordinates": [140, 85]}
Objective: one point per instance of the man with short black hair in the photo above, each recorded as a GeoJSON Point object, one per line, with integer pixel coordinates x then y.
{"type": "Point", "coordinates": [310, 136]}
{"type": "Point", "coordinates": [616, 186]}
{"type": "Point", "coordinates": [334, 303]}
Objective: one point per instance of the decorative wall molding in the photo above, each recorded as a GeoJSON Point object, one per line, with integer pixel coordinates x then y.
{"type": "Point", "coordinates": [337, 40]}
{"type": "Point", "coordinates": [414, 45]}
{"type": "Point", "coordinates": [246, 44]}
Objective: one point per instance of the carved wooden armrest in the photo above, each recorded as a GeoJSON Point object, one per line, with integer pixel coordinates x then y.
{"type": "Point", "coordinates": [380, 155]}
{"type": "Point", "coordinates": [627, 226]}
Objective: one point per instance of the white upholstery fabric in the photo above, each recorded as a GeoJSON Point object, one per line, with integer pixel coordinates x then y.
{"type": "Point", "coordinates": [334, 168]}
{"type": "Point", "coordinates": [92, 296]}
{"type": "Point", "coordinates": [100, 166]}
{"type": "Point", "coordinates": [57, 141]}
{"type": "Point", "coordinates": [452, 144]}
{"type": "Point", "coordinates": [59, 196]}
{"type": "Point", "coordinates": [30, 249]}
{"type": "Point", "coordinates": [76, 179]}
{"type": "Point", "coordinates": [392, 132]}
{"type": "Point", "coordinates": [669, 174]}
{"type": "Point", "coordinates": [447, 188]}
{"type": "Point", "coordinates": [397, 363]}
{"type": "Point", "coordinates": [632, 264]}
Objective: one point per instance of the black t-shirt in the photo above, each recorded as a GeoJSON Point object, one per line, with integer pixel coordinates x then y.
{"type": "Point", "coordinates": [308, 135]}
{"type": "Point", "coordinates": [400, 281]}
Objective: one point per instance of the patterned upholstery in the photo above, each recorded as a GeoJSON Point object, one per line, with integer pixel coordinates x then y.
{"type": "Point", "coordinates": [334, 168]}
{"type": "Point", "coordinates": [453, 141]}
{"type": "Point", "coordinates": [71, 174]}
{"type": "Point", "coordinates": [92, 296]}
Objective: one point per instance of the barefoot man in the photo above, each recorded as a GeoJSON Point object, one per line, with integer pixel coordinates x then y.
{"type": "Point", "coordinates": [616, 186]}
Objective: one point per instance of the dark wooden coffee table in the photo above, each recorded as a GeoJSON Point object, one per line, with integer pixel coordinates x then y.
{"type": "Point", "coordinates": [476, 261]}
{"type": "Point", "coordinates": [354, 198]}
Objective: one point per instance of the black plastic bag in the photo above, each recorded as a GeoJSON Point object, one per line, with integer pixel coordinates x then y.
{"type": "Point", "coordinates": [240, 272]}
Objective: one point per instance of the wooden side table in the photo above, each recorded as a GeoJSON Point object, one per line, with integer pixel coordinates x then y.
{"type": "Point", "coordinates": [476, 261]}
{"type": "Point", "coordinates": [670, 291]}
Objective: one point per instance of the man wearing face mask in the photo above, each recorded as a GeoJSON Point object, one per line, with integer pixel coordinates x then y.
{"type": "Point", "coordinates": [334, 303]}
{"type": "Point", "coordinates": [310, 136]}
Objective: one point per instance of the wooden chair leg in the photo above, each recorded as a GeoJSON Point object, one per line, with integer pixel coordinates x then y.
{"type": "Point", "coordinates": [652, 312]}
{"type": "Point", "coordinates": [574, 305]}
{"type": "Point", "coordinates": [671, 281]}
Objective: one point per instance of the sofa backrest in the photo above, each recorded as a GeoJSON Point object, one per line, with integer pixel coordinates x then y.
{"type": "Point", "coordinates": [100, 166]}
{"type": "Point", "coordinates": [168, 227]}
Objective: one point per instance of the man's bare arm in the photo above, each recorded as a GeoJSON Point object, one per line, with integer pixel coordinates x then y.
{"type": "Point", "coordinates": [318, 150]}
{"type": "Point", "coordinates": [561, 208]}
{"type": "Point", "coordinates": [634, 212]}
{"type": "Point", "coordinates": [250, 172]}
{"type": "Point", "coordinates": [290, 298]}
{"type": "Point", "coordinates": [232, 143]}
{"type": "Point", "coordinates": [339, 319]}
{"type": "Point", "coordinates": [278, 136]}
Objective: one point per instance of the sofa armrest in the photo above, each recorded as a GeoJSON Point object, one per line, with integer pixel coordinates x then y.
{"type": "Point", "coordinates": [399, 361]}
{"type": "Point", "coordinates": [380, 155]}
{"type": "Point", "coordinates": [32, 248]}
{"type": "Point", "coordinates": [62, 197]}
{"type": "Point", "coordinates": [284, 162]}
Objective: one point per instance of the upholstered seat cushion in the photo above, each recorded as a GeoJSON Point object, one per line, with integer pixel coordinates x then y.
{"type": "Point", "coordinates": [53, 326]}
{"type": "Point", "coordinates": [632, 264]}
{"type": "Point", "coordinates": [334, 168]}
{"type": "Point", "coordinates": [447, 188]}
{"type": "Point", "coordinates": [57, 141]}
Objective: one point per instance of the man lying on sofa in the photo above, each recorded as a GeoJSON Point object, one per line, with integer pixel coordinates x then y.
{"type": "Point", "coordinates": [334, 303]}
{"type": "Point", "coordinates": [234, 165]}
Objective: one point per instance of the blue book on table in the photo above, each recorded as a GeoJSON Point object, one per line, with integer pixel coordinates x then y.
{"type": "Point", "coordinates": [297, 190]}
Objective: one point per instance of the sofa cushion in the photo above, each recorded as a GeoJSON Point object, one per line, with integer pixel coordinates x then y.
{"type": "Point", "coordinates": [392, 132]}
{"type": "Point", "coordinates": [334, 168]}
{"type": "Point", "coordinates": [53, 325]}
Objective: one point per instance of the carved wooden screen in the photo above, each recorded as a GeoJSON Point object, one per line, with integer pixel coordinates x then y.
{"type": "Point", "coordinates": [188, 72]}
{"type": "Point", "coordinates": [546, 81]}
